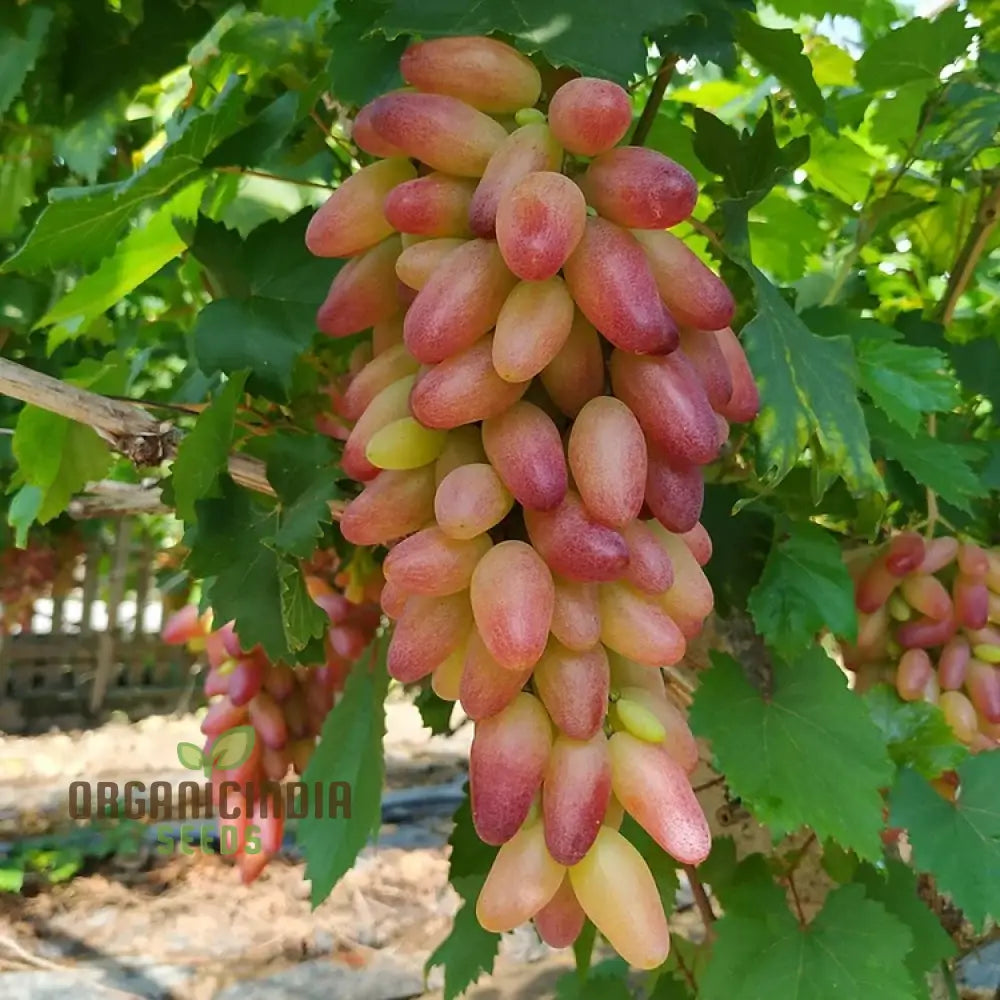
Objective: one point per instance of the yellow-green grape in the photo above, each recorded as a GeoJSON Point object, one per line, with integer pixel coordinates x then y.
{"type": "Point", "coordinates": [529, 116]}
{"type": "Point", "coordinates": [899, 609]}
{"type": "Point", "coordinates": [987, 652]}
{"type": "Point", "coordinates": [640, 721]}
{"type": "Point", "coordinates": [405, 444]}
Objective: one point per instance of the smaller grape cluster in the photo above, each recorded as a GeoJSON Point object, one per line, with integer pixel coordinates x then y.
{"type": "Point", "coordinates": [929, 623]}
{"type": "Point", "coordinates": [43, 568]}
{"type": "Point", "coordinates": [286, 706]}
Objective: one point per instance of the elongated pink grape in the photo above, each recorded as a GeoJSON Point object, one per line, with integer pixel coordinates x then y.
{"type": "Point", "coordinates": [637, 626]}
{"type": "Point", "coordinates": [426, 633]}
{"type": "Point", "coordinates": [679, 741]}
{"type": "Point", "coordinates": [365, 137]}
{"type": "Point", "coordinates": [524, 446]}
{"type": "Point", "coordinates": [268, 719]}
{"type": "Point", "coordinates": [744, 403]}
{"type": "Point", "coordinates": [560, 921]}
{"type": "Point", "coordinates": [960, 714]}
{"type": "Point", "coordinates": [433, 205]}
{"type": "Point", "coordinates": [702, 349]}
{"type": "Point", "coordinates": [470, 500]}
{"type": "Point", "coordinates": [222, 715]}
{"type": "Point", "coordinates": [576, 618]}
{"type": "Point", "coordinates": [576, 374]}
{"type": "Point", "coordinates": [417, 263]}
{"type": "Point", "coordinates": [694, 294]}
{"type": "Point", "coordinates": [588, 115]}
{"type": "Point", "coordinates": [952, 663]}
{"type": "Point", "coordinates": [573, 686]}
{"type": "Point", "coordinates": [993, 572]}
{"type": "Point", "coordinates": [927, 595]}
{"type": "Point", "coordinates": [656, 792]}
{"type": "Point", "coordinates": [393, 599]}
{"type": "Point", "coordinates": [613, 286]}
{"type": "Point", "coordinates": [539, 223]}
{"type": "Point", "coordinates": [463, 389]}
{"type": "Point", "coordinates": [443, 132]}
{"type": "Point", "coordinates": [938, 553]}
{"type": "Point", "coordinates": [388, 367]}
{"type": "Point", "coordinates": [506, 765]}
{"type": "Point", "coordinates": [393, 504]}
{"type": "Point", "coordinates": [875, 586]}
{"type": "Point", "coordinates": [512, 597]}
{"type": "Point", "coordinates": [245, 680]}
{"type": "Point", "coordinates": [352, 218]}
{"type": "Point", "coordinates": [463, 447]}
{"type": "Point", "coordinates": [650, 568]}
{"type": "Point", "coordinates": [575, 545]}
{"type": "Point", "coordinates": [363, 293]}
{"type": "Point", "coordinates": [575, 795]}
{"type": "Point", "coordinates": [532, 328]}
{"type": "Point", "coordinates": [460, 302]}
{"type": "Point", "coordinates": [904, 553]}
{"type": "Point", "coordinates": [523, 878]}
{"type": "Point", "coordinates": [982, 683]}
{"type": "Point", "coordinates": [670, 404]}
{"type": "Point", "coordinates": [689, 601]}
{"type": "Point", "coordinates": [526, 150]}
{"type": "Point", "coordinates": [391, 404]}
{"type": "Point", "coordinates": [641, 188]}
{"type": "Point", "coordinates": [923, 633]}
{"type": "Point", "coordinates": [607, 456]}
{"type": "Point", "coordinates": [912, 674]}
{"type": "Point", "coordinates": [487, 688]}
{"type": "Point", "coordinates": [973, 561]}
{"type": "Point", "coordinates": [429, 562]}
{"type": "Point", "coordinates": [675, 492]}
{"type": "Point", "coordinates": [972, 601]}
{"type": "Point", "coordinates": [617, 891]}
{"type": "Point", "coordinates": [699, 541]}
{"type": "Point", "coordinates": [483, 72]}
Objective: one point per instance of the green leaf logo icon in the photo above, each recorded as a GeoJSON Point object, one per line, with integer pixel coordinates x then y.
{"type": "Point", "coordinates": [190, 756]}
{"type": "Point", "coordinates": [231, 749]}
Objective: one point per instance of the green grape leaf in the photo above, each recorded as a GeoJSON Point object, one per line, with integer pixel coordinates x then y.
{"type": "Point", "coordinates": [303, 618]}
{"type": "Point", "coordinates": [18, 167]}
{"type": "Point", "coordinates": [435, 712]}
{"type": "Point", "coordinates": [586, 34]}
{"type": "Point", "coordinates": [957, 842]}
{"type": "Point", "coordinates": [780, 53]}
{"type": "Point", "coordinates": [804, 587]}
{"type": "Point", "coordinates": [905, 381]}
{"type": "Point", "coordinates": [82, 225]}
{"type": "Point", "coordinates": [231, 749]}
{"type": "Point", "coordinates": [22, 35]}
{"type": "Point", "coordinates": [303, 472]}
{"type": "Point", "coordinates": [853, 948]}
{"type": "Point", "coordinates": [896, 890]}
{"type": "Point", "coordinates": [270, 325]}
{"type": "Point", "coordinates": [349, 750]}
{"type": "Point", "coordinates": [11, 877]}
{"type": "Point", "coordinates": [917, 50]}
{"type": "Point", "coordinates": [840, 166]}
{"type": "Point", "coordinates": [944, 466]}
{"type": "Point", "coordinates": [139, 256]}
{"type": "Point", "coordinates": [608, 980]}
{"type": "Point", "coordinates": [916, 733]}
{"type": "Point", "coordinates": [468, 951]}
{"type": "Point", "coordinates": [23, 512]}
{"type": "Point", "coordinates": [768, 748]}
{"type": "Point", "coordinates": [190, 755]}
{"type": "Point", "coordinates": [203, 454]}
{"type": "Point", "coordinates": [808, 389]}
{"type": "Point", "coordinates": [87, 144]}
{"type": "Point", "coordinates": [58, 456]}
{"type": "Point", "coordinates": [227, 546]}
{"type": "Point", "coordinates": [362, 65]}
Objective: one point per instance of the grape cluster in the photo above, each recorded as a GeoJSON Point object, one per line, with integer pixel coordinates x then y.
{"type": "Point", "coordinates": [929, 622]}
{"type": "Point", "coordinates": [550, 370]}
{"type": "Point", "coordinates": [43, 568]}
{"type": "Point", "coordinates": [285, 706]}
